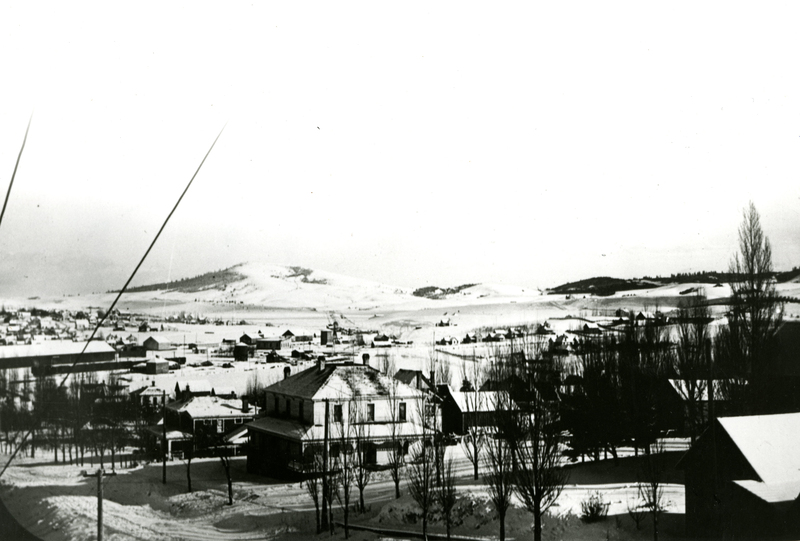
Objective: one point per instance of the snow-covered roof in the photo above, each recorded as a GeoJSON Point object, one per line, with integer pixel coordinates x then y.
{"type": "Point", "coordinates": [149, 390]}
{"type": "Point", "coordinates": [769, 443]}
{"type": "Point", "coordinates": [774, 492]}
{"type": "Point", "coordinates": [480, 401]}
{"type": "Point", "coordinates": [195, 386]}
{"type": "Point", "coordinates": [159, 339]}
{"type": "Point", "coordinates": [54, 347]}
{"type": "Point", "coordinates": [341, 381]}
{"type": "Point", "coordinates": [680, 385]}
{"type": "Point", "coordinates": [200, 407]}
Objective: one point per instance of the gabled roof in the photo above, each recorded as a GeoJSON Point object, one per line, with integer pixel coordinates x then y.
{"type": "Point", "coordinates": [158, 339]}
{"type": "Point", "coordinates": [340, 381]}
{"type": "Point", "coordinates": [481, 401]}
{"type": "Point", "coordinates": [769, 443]}
{"type": "Point", "coordinates": [407, 376]}
{"type": "Point", "coordinates": [772, 493]}
{"type": "Point", "coordinates": [212, 407]}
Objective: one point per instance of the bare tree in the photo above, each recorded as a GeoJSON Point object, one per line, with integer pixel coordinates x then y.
{"type": "Point", "coordinates": [475, 437]}
{"type": "Point", "coordinates": [396, 417]}
{"type": "Point", "coordinates": [345, 468]}
{"type": "Point", "coordinates": [651, 484]}
{"type": "Point", "coordinates": [754, 316]}
{"type": "Point", "coordinates": [534, 436]}
{"type": "Point", "coordinates": [498, 462]}
{"type": "Point", "coordinates": [360, 429]}
{"type": "Point", "coordinates": [421, 474]}
{"type": "Point", "coordinates": [691, 362]}
{"type": "Point", "coordinates": [446, 491]}
{"type": "Point", "coordinates": [312, 483]}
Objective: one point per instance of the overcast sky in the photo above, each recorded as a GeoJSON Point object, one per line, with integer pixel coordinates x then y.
{"type": "Point", "coordinates": [412, 143]}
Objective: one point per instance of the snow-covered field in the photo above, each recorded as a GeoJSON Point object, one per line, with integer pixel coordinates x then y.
{"type": "Point", "coordinates": [58, 502]}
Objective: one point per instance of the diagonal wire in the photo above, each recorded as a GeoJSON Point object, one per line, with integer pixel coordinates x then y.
{"type": "Point", "coordinates": [14, 174]}
{"type": "Point", "coordinates": [111, 308]}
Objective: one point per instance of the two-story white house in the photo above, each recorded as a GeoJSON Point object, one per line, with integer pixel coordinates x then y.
{"type": "Point", "coordinates": [385, 411]}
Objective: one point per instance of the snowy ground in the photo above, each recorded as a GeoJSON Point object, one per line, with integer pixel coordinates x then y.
{"type": "Point", "coordinates": [58, 502]}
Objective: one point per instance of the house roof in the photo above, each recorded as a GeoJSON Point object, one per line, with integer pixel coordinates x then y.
{"type": "Point", "coordinates": [195, 386]}
{"type": "Point", "coordinates": [54, 347]}
{"type": "Point", "coordinates": [407, 376]}
{"type": "Point", "coordinates": [158, 339]}
{"type": "Point", "coordinates": [212, 406]}
{"type": "Point", "coordinates": [769, 443]}
{"type": "Point", "coordinates": [340, 381]}
{"type": "Point", "coordinates": [772, 493]}
{"type": "Point", "coordinates": [680, 386]}
{"type": "Point", "coordinates": [481, 401]}
{"type": "Point", "coordinates": [149, 390]}
{"type": "Point", "coordinates": [238, 436]}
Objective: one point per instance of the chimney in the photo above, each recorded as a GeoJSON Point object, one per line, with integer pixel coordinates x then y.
{"type": "Point", "coordinates": [321, 363]}
{"type": "Point", "coordinates": [153, 383]}
{"type": "Point", "coordinates": [245, 405]}
{"type": "Point", "coordinates": [365, 358]}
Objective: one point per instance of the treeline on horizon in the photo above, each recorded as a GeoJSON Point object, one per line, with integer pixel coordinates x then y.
{"type": "Point", "coordinates": [606, 285]}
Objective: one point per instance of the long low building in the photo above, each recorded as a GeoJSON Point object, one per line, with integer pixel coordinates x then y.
{"type": "Point", "coordinates": [55, 353]}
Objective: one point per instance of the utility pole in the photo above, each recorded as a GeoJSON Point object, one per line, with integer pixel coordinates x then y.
{"type": "Point", "coordinates": [164, 438]}
{"type": "Point", "coordinates": [100, 505]}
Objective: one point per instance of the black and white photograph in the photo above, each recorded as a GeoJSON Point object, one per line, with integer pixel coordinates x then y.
{"type": "Point", "coordinates": [389, 271]}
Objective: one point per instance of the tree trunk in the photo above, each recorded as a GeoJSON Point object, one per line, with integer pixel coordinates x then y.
{"type": "Point", "coordinates": [475, 465]}
{"type": "Point", "coordinates": [189, 473]}
{"type": "Point", "coordinates": [537, 521]}
{"type": "Point", "coordinates": [655, 525]}
{"type": "Point", "coordinates": [502, 518]}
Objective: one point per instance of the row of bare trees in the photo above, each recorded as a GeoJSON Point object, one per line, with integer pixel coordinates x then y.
{"type": "Point", "coordinates": [82, 419]}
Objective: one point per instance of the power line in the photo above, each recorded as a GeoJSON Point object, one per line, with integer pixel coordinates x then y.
{"type": "Point", "coordinates": [113, 304]}
{"type": "Point", "coordinates": [14, 174]}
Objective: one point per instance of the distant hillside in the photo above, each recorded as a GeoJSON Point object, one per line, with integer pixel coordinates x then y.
{"type": "Point", "coordinates": [434, 292]}
{"type": "Point", "coordinates": [605, 285]}
{"type": "Point", "coordinates": [210, 280]}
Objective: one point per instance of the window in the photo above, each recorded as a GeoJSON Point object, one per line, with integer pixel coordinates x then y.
{"type": "Point", "coordinates": [288, 407]}
{"type": "Point", "coordinates": [370, 412]}
{"type": "Point", "coordinates": [337, 413]}
{"type": "Point", "coordinates": [238, 420]}
{"type": "Point", "coordinates": [300, 412]}
{"type": "Point", "coordinates": [276, 404]}
{"type": "Point", "coordinates": [402, 412]}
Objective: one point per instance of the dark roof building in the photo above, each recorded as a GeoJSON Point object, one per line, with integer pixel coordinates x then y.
{"type": "Point", "coordinates": [743, 478]}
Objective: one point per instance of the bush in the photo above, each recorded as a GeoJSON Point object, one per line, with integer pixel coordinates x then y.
{"type": "Point", "coordinates": [594, 509]}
